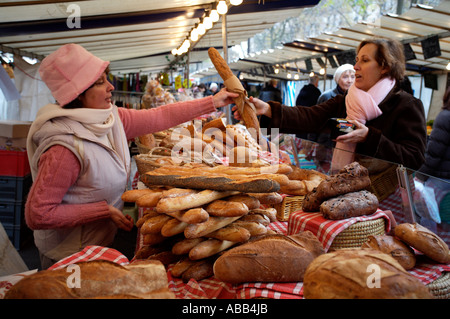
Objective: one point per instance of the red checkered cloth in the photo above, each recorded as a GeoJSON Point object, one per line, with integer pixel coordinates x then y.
{"type": "Point", "coordinates": [325, 229]}
{"type": "Point", "coordinates": [93, 253]}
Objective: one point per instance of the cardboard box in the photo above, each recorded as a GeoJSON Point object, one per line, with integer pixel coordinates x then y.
{"type": "Point", "coordinates": [14, 129]}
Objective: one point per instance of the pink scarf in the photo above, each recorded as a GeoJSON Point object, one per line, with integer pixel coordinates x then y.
{"type": "Point", "coordinates": [361, 106]}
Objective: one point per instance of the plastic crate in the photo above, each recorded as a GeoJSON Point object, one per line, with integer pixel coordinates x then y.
{"type": "Point", "coordinates": [18, 234]}
{"type": "Point", "coordinates": [11, 212]}
{"type": "Point", "coordinates": [13, 189]}
{"type": "Point", "coordinates": [14, 163]}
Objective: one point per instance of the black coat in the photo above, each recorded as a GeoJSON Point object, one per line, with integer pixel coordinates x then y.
{"type": "Point", "coordinates": [308, 95]}
{"type": "Point", "coordinates": [437, 156]}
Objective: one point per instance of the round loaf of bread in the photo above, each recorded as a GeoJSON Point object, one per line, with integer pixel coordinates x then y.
{"type": "Point", "coordinates": [360, 274]}
{"type": "Point", "coordinates": [424, 240]}
{"type": "Point", "coordinates": [394, 247]}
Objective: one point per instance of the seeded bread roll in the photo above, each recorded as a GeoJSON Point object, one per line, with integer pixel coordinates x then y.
{"type": "Point", "coordinates": [424, 240]}
{"type": "Point", "coordinates": [349, 205]}
{"type": "Point", "coordinates": [394, 247]}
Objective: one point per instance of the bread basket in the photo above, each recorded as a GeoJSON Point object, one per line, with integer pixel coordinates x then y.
{"type": "Point", "coordinates": [440, 288]}
{"type": "Point", "coordinates": [289, 205]}
{"type": "Point", "coordinates": [358, 233]}
{"type": "Point", "coordinates": [385, 183]}
{"type": "Point", "coordinates": [148, 162]}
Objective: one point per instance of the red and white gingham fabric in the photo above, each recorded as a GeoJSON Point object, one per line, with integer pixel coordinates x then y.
{"type": "Point", "coordinates": [325, 229]}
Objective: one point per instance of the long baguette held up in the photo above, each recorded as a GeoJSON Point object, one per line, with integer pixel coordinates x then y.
{"type": "Point", "coordinates": [245, 108]}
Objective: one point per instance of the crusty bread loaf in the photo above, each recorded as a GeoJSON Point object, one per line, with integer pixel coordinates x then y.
{"type": "Point", "coordinates": [360, 274]}
{"type": "Point", "coordinates": [98, 279]}
{"type": "Point", "coordinates": [351, 178]}
{"type": "Point", "coordinates": [271, 258]}
{"type": "Point", "coordinates": [424, 240]}
{"type": "Point", "coordinates": [349, 205]}
{"type": "Point", "coordinates": [394, 247]}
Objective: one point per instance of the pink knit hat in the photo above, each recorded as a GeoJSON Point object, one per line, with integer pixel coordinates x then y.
{"type": "Point", "coordinates": [69, 71]}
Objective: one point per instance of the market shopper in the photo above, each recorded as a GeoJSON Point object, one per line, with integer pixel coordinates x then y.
{"type": "Point", "coordinates": [392, 126]}
{"type": "Point", "coordinates": [437, 155]}
{"type": "Point", "coordinates": [79, 156]}
{"type": "Point", "coordinates": [344, 76]}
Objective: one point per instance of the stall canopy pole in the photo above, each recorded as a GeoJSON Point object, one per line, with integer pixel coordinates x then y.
{"type": "Point", "coordinates": [225, 57]}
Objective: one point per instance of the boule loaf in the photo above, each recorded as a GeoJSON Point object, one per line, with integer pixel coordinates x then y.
{"type": "Point", "coordinates": [424, 240]}
{"type": "Point", "coordinates": [360, 274]}
{"type": "Point", "coordinates": [393, 247]}
{"type": "Point", "coordinates": [271, 258]}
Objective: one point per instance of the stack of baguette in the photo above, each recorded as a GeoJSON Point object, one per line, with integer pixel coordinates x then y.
{"type": "Point", "coordinates": [343, 195]}
{"type": "Point", "coordinates": [190, 227]}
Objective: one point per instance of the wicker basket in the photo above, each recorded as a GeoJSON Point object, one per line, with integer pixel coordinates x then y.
{"type": "Point", "coordinates": [384, 183]}
{"type": "Point", "coordinates": [149, 162]}
{"type": "Point", "coordinates": [289, 205]}
{"type": "Point", "coordinates": [440, 288]}
{"type": "Point", "coordinates": [358, 233]}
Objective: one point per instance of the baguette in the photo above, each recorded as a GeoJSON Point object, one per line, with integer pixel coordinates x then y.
{"type": "Point", "coordinates": [255, 229]}
{"type": "Point", "coordinates": [190, 216]}
{"type": "Point", "coordinates": [173, 227]}
{"type": "Point", "coordinates": [212, 224]}
{"type": "Point", "coordinates": [185, 245]}
{"type": "Point", "coordinates": [245, 108]}
{"type": "Point", "coordinates": [130, 196]}
{"type": "Point", "coordinates": [209, 248]}
{"type": "Point", "coordinates": [267, 198]}
{"type": "Point", "coordinates": [270, 213]}
{"type": "Point", "coordinates": [249, 201]}
{"type": "Point", "coordinates": [154, 224]}
{"type": "Point", "coordinates": [181, 266]}
{"type": "Point", "coordinates": [149, 200]}
{"type": "Point", "coordinates": [224, 208]}
{"type": "Point", "coordinates": [232, 233]}
{"type": "Point", "coordinates": [172, 204]}
{"type": "Point", "coordinates": [201, 269]}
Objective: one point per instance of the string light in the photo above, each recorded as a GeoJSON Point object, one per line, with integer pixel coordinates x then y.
{"type": "Point", "coordinates": [214, 15]}
{"type": "Point", "coordinates": [222, 7]}
{"type": "Point", "coordinates": [235, 2]}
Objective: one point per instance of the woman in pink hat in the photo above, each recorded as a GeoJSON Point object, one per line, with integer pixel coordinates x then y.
{"type": "Point", "coordinates": [79, 156]}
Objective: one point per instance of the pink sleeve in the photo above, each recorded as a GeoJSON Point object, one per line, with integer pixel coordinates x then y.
{"type": "Point", "coordinates": [140, 122]}
{"type": "Point", "coordinates": [58, 171]}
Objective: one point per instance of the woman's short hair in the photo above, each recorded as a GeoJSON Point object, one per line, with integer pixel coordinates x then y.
{"type": "Point", "coordinates": [390, 53]}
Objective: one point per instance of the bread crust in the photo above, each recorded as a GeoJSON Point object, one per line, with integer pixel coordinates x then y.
{"type": "Point", "coordinates": [424, 240]}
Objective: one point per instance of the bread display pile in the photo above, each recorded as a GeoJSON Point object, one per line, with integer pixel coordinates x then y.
{"type": "Point", "coordinates": [98, 279]}
{"type": "Point", "coordinates": [343, 195]}
{"type": "Point", "coordinates": [155, 95]}
{"type": "Point", "coordinates": [191, 226]}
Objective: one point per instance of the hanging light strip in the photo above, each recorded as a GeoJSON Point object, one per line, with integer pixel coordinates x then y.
{"type": "Point", "coordinates": [205, 23]}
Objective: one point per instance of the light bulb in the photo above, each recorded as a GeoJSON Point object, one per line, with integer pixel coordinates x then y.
{"type": "Point", "coordinates": [289, 75]}
{"type": "Point", "coordinates": [194, 35]}
{"type": "Point", "coordinates": [222, 7]}
{"type": "Point", "coordinates": [448, 66]}
{"type": "Point", "coordinates": [201, 29]}
{"type": "Point", "coordinates": [322, 71]}
{"type": "Point", "coordinates": [296, 76]}
{"type": "Point", "coordinates": [311, 74]}
{"type": "Point", "coordinates": [186, 44]}
{"type": "Point", "coordinates": [235, 2]}
{"type": "Point", "coordinates": [174, 51]}
{"type": "Point", "coordinates": [207, 22]}
{"type": "Point", "coordinates": [277, 71]}
{"type": "Point", "coordinates": [214, 16]}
